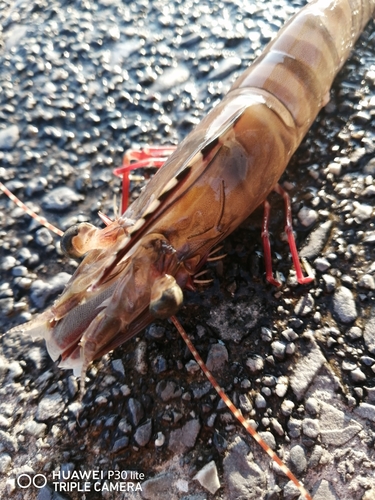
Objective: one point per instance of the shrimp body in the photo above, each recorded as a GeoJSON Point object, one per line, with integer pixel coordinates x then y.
{"type": "Point", "coordinates": [134, 270]}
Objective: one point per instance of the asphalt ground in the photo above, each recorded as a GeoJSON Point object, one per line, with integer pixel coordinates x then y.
{"type": "Point", "coordinates": [81, 83]}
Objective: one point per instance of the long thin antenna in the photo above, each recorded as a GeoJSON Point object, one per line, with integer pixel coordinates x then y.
{"type": "Point", "coordinates": [44, 222]}
{"type": "Point", "coordinates": [237, 412]}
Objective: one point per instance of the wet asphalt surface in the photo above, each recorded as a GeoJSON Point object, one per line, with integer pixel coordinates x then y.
{"type": "Point", "coordinates": [80, 84]}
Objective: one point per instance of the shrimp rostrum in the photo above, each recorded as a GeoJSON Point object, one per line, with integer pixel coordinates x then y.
{"type": "Point", "coordinates": [134, 270]}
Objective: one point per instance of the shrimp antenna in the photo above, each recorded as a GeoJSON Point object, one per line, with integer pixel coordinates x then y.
{"type": "Point", "coordinates": [44, 222]}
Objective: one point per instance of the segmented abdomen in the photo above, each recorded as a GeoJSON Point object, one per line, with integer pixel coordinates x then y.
{"type": "Point", "coordinates": [299, 65]}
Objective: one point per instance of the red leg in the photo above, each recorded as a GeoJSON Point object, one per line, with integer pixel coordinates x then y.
{"type": "Point", "coordinates": [302, 280]}
{"type": "Point", "coordinates": [151, 156]}
{"type": "Point", "coordinates": [267, 245]}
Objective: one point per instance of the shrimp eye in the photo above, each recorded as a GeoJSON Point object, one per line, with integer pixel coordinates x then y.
{"type": "Point", "coordinates": [74, 242]}
{"type": "Point", "coordinates": [166, 297]}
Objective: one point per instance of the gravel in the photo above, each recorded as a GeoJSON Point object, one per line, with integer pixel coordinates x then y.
{"type": "Point", "coordinates": [182, 439]}
{"type": "Point", "coordinates": [9, 137]}
{"type": "Point", "coordinates": [143, 433]}
{"type": "Point", "coordinates": [82, 82]}
{"type": "Point", "coordinates": [208, 477]}
{"type": "Point", "coordinates": [217, 358]}
{"type": "Point", "coordinates": [344, 306]}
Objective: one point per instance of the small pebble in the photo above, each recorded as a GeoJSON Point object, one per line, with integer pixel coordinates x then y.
{"type": "Point", "coordinates": [361, 212]}
{"type": "Point", "coordinates": [344, 305]}
{"type": "Point", "coordinates": [5, 463]}
{"type": "Point", "coordinates": [8, 137]}
{"type": "Point", "coordinates": [168, 389]}
{"type": "Point", "coordinates": [305, 305]}
{"type": "Point", "coordinates": [322, 264]}
{"type": "Point", "coordinates": [290, 348]}
{"type": "Point", "coordinates": [278, 349]}
{"type": "Point", "coordinates": [60, 199]}
{"type": "Point", "coordinates": [298, 458]}
{"type": "Point", "coordinates": [310, 428]}
{"type": "Point", "coordinates": [317, 240]}
{"type": "Point", "coordinates": [287, 407]}
{"type": "Point", "coordinates": [143, 434]}
{"type": "Point", "coordinates": [245, 403]}
{"type": "Point", "coordinates": [367, 360]}
{"type": "Point", "coordinates": [124, 426]}
{"type": "Point", "coordinates": [120, 444]}
{"type": "Point", "coordinates": [312, 406]}
{"type": "Point", "coordinates": [35, 429]}
{"type": "Point", "coordinates": [294, 427]}
{"type": "Point", "coordinates": [354, 333]}
{"type": "Point", "coordinates": [334, 168]}
{"type": "Point", "coordinates": [281, 389]}
{"type": "Point", "coordinates": [43, 237]}
{"type": "Point", "coordinates": [118, 367]}
{"type": "Point", "coordinates": [245, 383]}
{"type": "Point", "coordinates": [5, 423]}
{"type": "Point", "coordinates": [182, 439]}
{"type": "Point", "coordinates": [160, 440]}
{"type": "Point", "coordinates": [329, 282]}
{"type": "Point", "coordinates": [14, 370]}
{"type": "Point", "coordinates": [217, 357]}
{"type": "Point", "coordinates": [266, 334]}
{"type": "Point", "coordinates": [36, 185]}
{"type": "Point", "coordinates": [51, 406]}
{"type": "Point", "coordinates": [260, 402]}
{"type": "Point", "coordinates": [307, 216]}
{"type": "Point", "coordinates": [225, 67]}
{"type": "Point", "coordinates": [268, 437]}
{"type": "Point", "coordinates": [208, 477]}
{"type": "Point", "coordinates": [277, 426]}
{"type": "Point", "coordinates": [160, 364]}
{"type": "Point", "coordinates": [136, 410]}
{"type": "Point", "coordinates": [357, 375]}
{"type": "Point", "coordinates": [367, 281]}
{"type": "Point", "coordinates": [255, 364]}
{"type": "Point", "coordinates": [8, 262]}
{"type": "Point", "coordinates": [192, 367]}
{"type": "Point", "coordinates": [348, 366]}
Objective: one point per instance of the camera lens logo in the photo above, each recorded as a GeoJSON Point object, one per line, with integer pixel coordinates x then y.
{"type": "Point", "coordinates": [25, 481]}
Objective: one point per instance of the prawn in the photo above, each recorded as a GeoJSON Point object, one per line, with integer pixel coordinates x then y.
{"type": "Point", "coordinates": [135, 269]}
